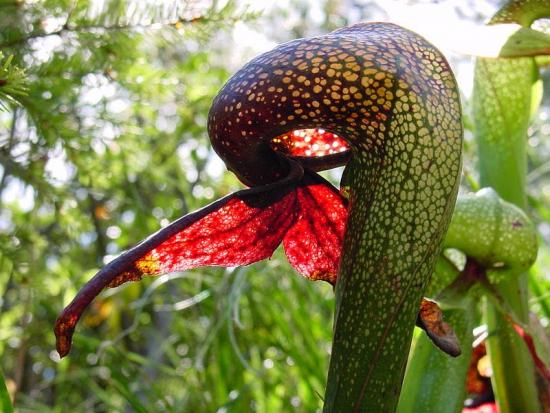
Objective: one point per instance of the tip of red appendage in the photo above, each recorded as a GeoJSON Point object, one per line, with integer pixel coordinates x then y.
{"type": "Point", "coordinates": [63, 351]}
{"type": "Point", "coordinates": [63, 331]}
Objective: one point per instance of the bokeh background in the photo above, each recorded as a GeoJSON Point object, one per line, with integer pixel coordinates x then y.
{"type": "Point", "coordinates": [109, 143]}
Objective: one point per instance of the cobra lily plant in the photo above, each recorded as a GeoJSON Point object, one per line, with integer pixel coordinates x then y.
{"type": "Point", "coordinates": [376, 98]}
{"type": "Point", "coordinates": [304, 212]}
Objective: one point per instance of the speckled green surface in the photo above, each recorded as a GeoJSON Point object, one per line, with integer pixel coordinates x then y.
{"type": "Point", "coordinates": [402, 190]}
{"type": "Point", "coordinates": [500, 237]}
{"type": "Point", "coordinates": [522, 12]}
{"type": "Point", "coordinates": [494, 232]}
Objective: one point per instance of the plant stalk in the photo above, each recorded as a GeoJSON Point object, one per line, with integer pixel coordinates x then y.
{"type": "Point", "coordinates": [402, 181]}
{"type": "Point", "coordinates": [501, 135]}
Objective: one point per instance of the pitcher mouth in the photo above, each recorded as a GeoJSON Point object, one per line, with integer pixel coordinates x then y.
{"type": "Point", "coordinates": [315, 148]}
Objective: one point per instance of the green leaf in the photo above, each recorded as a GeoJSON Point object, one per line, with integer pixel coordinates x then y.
{"type": "Point", "coordinates": [13, 82]}
{"type": "Point", "coordinates": [543, 61]}
{"type": "Point", "coordinates": [5, 400]}
{"type": "Point", "coordinates": [526, 42]}
{"type": "Point", "coordinates": [435, 382]}
{"type": "Point", "coordinates": [122, 386]}
{"type": "Point", "coordinates": [531, 332]}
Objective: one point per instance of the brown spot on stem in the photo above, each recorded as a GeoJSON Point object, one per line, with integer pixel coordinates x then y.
{"type": "Point", "coordinates": [430, 319]}
{"type": "Point", "coordinates": [517, 224]}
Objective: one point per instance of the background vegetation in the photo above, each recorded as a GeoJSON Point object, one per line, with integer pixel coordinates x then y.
{"type": "Point", "coordinates": [102, 140]}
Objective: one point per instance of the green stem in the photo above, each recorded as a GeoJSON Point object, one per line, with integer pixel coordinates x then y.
{"type": "Point", "coordinates": [377, 302]}
{"type": "Point", "coordinates": [435, 382]}
{"type": "Point", "coordinates": [402, 191]}
{"type": "Point", "coordinates": [502, 102]}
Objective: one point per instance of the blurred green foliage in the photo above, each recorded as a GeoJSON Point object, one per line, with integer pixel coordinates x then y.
{"type": "Point", "coordinates": [108, 144]}
{"type": "Point", "coordinates": [103, 140]}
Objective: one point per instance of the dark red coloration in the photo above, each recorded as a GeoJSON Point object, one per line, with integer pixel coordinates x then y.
{"type": "Point", "coordinates": [475, 382]}
{"type": "Point", "coordinates": [314, 149]}
{"type": "Point", "coordinates": [310, 216]}
{"type": "Point", "coordinates": [309, 142]}
{"type": "Point", "coordinates": [478, 383]}
{"type": "Point", "coordinates": [314, 243]}
{"type": "Point", "coordinates": [541, 367]}
{"type": "Point", "coordinates": [246, 229]}
{"type": "Point", "coordinates": [303, 209]}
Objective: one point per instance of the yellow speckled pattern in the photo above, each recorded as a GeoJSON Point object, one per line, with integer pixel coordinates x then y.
{"type": "Point", "coordinates": [393, 97]}
{"type": "Point", "coordinates": [523, 12]}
